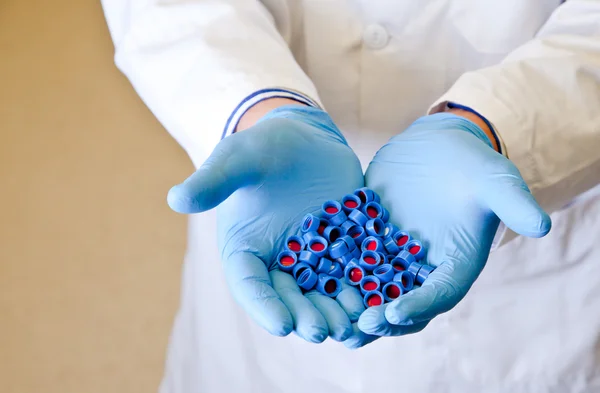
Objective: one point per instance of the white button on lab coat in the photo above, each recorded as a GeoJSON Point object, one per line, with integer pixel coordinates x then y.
{"type": "Point", "coordinates": [531, 323]}
{"type": "Point", "coordinates": [375, 36]}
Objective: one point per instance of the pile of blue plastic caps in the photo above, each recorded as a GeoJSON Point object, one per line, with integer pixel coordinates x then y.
{"type": "Point", "coordinates": [353, 240]}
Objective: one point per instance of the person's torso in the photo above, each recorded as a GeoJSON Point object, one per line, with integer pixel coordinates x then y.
{"type": "Point", "coordinates": [531, 321]}
{"type": "Point", "coordinates": [379, 65]}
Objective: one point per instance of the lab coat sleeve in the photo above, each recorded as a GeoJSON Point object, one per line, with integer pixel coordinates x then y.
{"type": "Point", "coordinates": [544, 101]}
{"type": "Point", "coordinates": [199, 64]}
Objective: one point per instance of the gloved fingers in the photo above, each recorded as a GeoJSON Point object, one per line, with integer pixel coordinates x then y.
{"type": "Point", "coordinates": [339, 324]}
{"type": "Point", "coordinates": [351, 301]}
{"type": "Point", "coordinates": [509, 198]}
{"type": "Point", "coordinates": [249, 282]}
{"type": "Point", "coordinates": [359, 338]}
{"type": "Point", "coordinates": [442, 290]}
{"type": "Point", "coordinates": [228, 168]}
{"type": "Point", "coordinates": [373, 322]}
{"type": "Point", "coordinates": [309, 323]}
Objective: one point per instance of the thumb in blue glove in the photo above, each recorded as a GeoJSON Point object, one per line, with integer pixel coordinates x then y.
{"type": "Point", "coordinates": [264, 180]}
{"type": "Point", "coordinates": [444, 183]}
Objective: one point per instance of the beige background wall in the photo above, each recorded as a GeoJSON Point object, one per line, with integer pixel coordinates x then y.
{"type": "Point", "coordinates": [90, 255]}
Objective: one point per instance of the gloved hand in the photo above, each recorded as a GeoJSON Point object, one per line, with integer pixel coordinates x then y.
{"type": "Point", "coordinates": [264, 180]}
{"type": "Point", "coordinates": [442, 181]}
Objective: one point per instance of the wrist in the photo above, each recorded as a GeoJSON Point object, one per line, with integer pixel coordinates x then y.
{"type": "Point", "coordinates": [479, 121]}
{"type": "Point", "coordinates": [260, 109]}
{"type": "Point", "coordinates": [314, 118]}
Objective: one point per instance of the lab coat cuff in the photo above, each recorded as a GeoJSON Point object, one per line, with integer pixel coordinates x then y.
{"type": "Point", "coordinates": [446, 106]}
{"type": "Point", "coordinates": [261, 95]}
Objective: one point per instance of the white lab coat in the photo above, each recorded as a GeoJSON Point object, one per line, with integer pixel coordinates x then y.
{"type": "Point", "coordinates": [531, 323]}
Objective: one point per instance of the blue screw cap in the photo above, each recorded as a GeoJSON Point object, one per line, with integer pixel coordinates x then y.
{"type": "Point", "coordinates": [351, 202]}
{"type": "Point", "coordinates": [402, 261]}
{"type": "Point", "coordinates": [416, 249]}
{"type": "Point", "coordinates": [345, 227]}
{"type": "Point", "coordinates": [309, 235]}
{"type": "Point", "coordinates": [336, 270]}
{"type": "Point", "coordinates": [423, 273]}
{"type": "Point", "coordinates": [369, 283]}
{"type": "Point", "coordinates": [309, 258]}
{"type": "Point", "coordinates": [405, 279]}
{"type": "Point", "coordinates": [373, 298]}
{"type": "Point", "coordinates": [369, 260]}
{"type": "Point", "coordinates": [338, 219]}
{"type": "Point", "coordinates": [345, 259]}
{"type": "Point", "coordinates": [366, 195]}
{"type": "Point", "coordinates": [349, 242]}
{"type": "Point", "coordinates": [358, 217]}
{"type": "Point", "coordinates": [414, 268]}
{"type": "Point", "coordinates": [385, 217]}
{"type": "Point", "coordinates": [286, 260]}
{"type": "Point", "coordinates": [391, 246]}
{"type": "Point", "coordinates": [324, 266]}
{"type": "Point", "coordinates": [318, 246]}
{"type": "Point", "coordinates": [372, 243]}
{"type": "Point", "coordinates": [372, 210]}
{"type": "Point", "coordinates": [401, 238]}
{"type": "Point", "coordinates": [294, 244]}
{"type": "Point", "coordinates": [338, 248]}
{"type": "Point", "coordinates": [390, 229]}
{"type": "Point", "coordinates": [330, 208]}
{"type": "Point", "coordinates": [358, 234]}
{"type": "Point", "coordinates": [332, 233]}
{"type": "Point", "coordinates": [354, 274]}
{"type": "Point", "coordinates": [385, 273]}
{"type": "Point", "coordinates": [328, 285]}
{"type": "Point", "coordinates": [307, 279]}
{"type": "Point", "coordinates": [375, 227]}
{"type": "Point", "coordinates": [392, 291]}
{"type": "Point", "coordinates": [310, 223]}
{"type": "Point", "coordinates": [299, 268]}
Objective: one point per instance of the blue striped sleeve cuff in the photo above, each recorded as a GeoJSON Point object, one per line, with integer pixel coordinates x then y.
{"type": "Point", "coordinates": [498, 140]}
{"type": "Point", "coordinates": [259, 96]}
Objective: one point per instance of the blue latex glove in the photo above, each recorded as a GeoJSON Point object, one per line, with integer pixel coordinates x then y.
{"type": "Point", "coordinates": [264, 180]}
{"type": "Point", "coordinates": [442, 181]}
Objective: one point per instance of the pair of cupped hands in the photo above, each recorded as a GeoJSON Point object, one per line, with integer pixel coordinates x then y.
{"type": "Point", "coordinates": [440, 179]}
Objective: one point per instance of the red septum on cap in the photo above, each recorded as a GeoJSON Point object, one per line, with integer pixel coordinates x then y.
{"type": "Point", "coordinates": [373, 298]}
